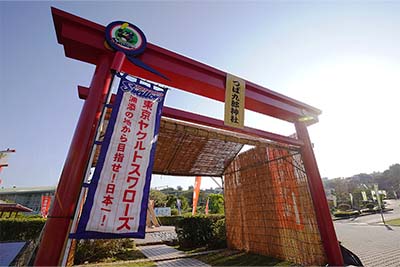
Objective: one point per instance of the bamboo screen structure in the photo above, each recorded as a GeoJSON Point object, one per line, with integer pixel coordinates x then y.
{"type": "Point", "coordinates": [189, 150]}
{"type": "Point", "coordinates": [186, 149]}
{"type": "Point", "coordinates": [268, 206]}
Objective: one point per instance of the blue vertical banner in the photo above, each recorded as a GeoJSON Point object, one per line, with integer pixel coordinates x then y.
{"type": "Point", "coordinates": [116, 203]}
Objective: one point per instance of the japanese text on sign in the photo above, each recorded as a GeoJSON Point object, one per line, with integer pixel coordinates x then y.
{"type": "Point", "coordinates": [234, 101]}
{"type": "Point", "coordinates": [117, 197]}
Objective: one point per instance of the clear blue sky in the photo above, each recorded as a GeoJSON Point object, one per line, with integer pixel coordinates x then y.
{"type": "Point", "coordinates": [341, 57]}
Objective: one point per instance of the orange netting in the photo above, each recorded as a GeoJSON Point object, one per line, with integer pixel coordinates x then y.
{"type": "Point", "coordinates": [268, 206]}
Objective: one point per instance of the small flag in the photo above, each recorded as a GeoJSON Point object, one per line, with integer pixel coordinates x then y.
{"type": "Point", "coordinates": [351, 199]}
{"type": "Point", "coordinates": [377, 195]}
{"type": "Point", "coordinates": [373, 194]}
{"type": "Point", "coordinates": [206, 211]}
{"type": "Point", "coordinates": [196, 192]}
{"type": "Point", "coordinates": [364, 196]}
{"type": "Point", "coordinates": [46, 202]}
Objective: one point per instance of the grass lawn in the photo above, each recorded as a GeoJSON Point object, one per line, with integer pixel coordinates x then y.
{"type": "Point", "coordinates": [128, 258]}
{"type": "Point", "coordinates": [395, 222]}
{"type": "Point", "coordinates": [126, 264]}
{"type": "Point", "coordinates": [237, 258]}
{"type": "Point", "coordinates": [129, 254]}
{"type": "Point", "coordinates": [190, 250]}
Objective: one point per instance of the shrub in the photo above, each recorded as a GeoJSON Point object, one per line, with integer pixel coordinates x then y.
{"type": "Point", "coordinates": [215, 217]}
{"type": "Point", "coordinates": [341, 214]}
{"type": "Point", "coordinates": [94, 250]}
{"type": "Point", "coordinates": [193, 231]}
{"type": "Point", "coordinates": [159, 198]}
{"type": "Point", "coordinates": [201, 231]}
{"type": "Point", "coordinates": [219, 234]}
{"type": "Point", "coordinates": [20, 229]}
{"type": "Point", "coordinates": [169, 220]}
{"type": "Point", "coordinates": [370, 206]}
{"type": "Point", "coordinates": [174, 212]}
{"type": "Point", "coordinates": [344, 207]}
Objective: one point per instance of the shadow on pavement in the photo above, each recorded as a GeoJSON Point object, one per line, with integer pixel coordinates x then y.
{"type": "Point", "coordinates": [388, 227]}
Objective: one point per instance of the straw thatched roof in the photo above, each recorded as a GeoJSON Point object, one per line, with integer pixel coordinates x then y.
{"type": "Point", "coordinates": [186, 149]}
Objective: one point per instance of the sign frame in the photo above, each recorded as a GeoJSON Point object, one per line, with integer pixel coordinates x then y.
{"type": "Point", "coordinates": [235, 92]}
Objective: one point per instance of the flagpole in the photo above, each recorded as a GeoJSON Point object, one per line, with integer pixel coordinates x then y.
{"type": "Point", "coordinates": [378, 198]}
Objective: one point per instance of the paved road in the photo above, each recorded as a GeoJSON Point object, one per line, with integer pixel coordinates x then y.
{"type": "Point", "coordinates": [374, 243]}
{"type": "Point", "coordinates": [166, 256]}
{"type": "Point", "coordinates": [157, 235]}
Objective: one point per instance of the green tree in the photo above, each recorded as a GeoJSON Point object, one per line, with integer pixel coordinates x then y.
{"type": "Point", "coordinates": [160, 199]}
{"type": "Point", "coordinates": [390, 180]}
{"type": "Point", "coordinates": [169, 191]}
{"type": "Point", "coordinates": [216, 203]}
{"type": "Point", "coordinates": [188, 194]}
{"type": "Point", "coordinates": [184, 204]}
{"type": "Point", "coordinates": [171, 202]}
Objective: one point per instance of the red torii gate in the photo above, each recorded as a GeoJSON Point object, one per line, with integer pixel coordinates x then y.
{"type": "Point", "coordinates": [84, 40]}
